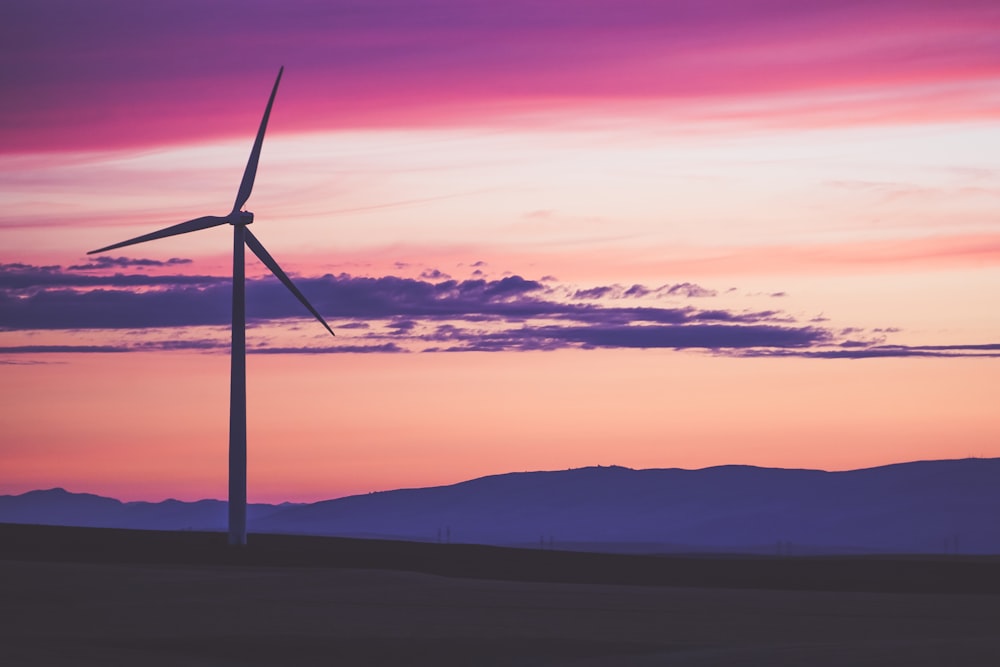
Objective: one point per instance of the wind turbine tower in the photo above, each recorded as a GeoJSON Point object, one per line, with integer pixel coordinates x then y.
{"type": "Point", "coordinates": [242, 236]}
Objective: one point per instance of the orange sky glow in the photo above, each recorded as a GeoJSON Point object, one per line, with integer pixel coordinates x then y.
{"type": "Point", "coordinates": [660, 237]}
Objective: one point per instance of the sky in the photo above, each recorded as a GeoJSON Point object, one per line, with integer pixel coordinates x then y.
{"type": "Point", "coordinates": [647, 233]}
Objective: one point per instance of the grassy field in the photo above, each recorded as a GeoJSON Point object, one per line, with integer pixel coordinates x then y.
{"type": "Point", "coordinates": [106, 597]}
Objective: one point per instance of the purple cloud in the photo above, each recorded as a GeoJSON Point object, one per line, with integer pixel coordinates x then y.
{"type": "Point", "coordinates": [17, 276]}
{"type": "Point", "coordinates": [687, 289]}
{"type": "Point", "coordinates": [384, 348]}
{"type": "Point", "coordinates": [116, 308]}
{"type": "Point", "coordinates": [203, 346]}
{"type": "Point", "coordinates": [102, 262]}
{"type": "Point", "coordinates": [848, 351]}
{"type": "Point", "coordinates": [434, 274]}
{"type": "Point", "coordinates": [595, 292]}
{"type": "Point", "coordinates": [43, 349]}
{"type": "Point", "coordinates": [394, 314]}
{"type": "Point", "coordinates": [685, 336]}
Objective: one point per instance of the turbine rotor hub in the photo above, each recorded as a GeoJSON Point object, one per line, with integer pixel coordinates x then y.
{"type": "Point", "coordinates": [240, 218]}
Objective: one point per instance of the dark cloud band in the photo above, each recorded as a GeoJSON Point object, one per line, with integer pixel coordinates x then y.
{"type": "Point", "coordinates": [393, 314]}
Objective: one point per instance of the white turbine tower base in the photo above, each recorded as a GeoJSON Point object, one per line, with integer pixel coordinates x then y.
{"type": "Point", "coordinates": [242, 237]}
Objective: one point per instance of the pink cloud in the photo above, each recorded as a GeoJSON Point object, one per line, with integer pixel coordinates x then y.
{"type": "Point", "coordinates": [928, 253]}
{"type": "Point", "coordinates": [893, 255]}
{"type": "Point", "coordinates": [958, 251]}
{"type": "Point", "coordinates": [81, 77]}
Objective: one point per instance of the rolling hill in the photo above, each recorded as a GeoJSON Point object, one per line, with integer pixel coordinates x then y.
{"type": "Point", "coordinates": [948, 506]}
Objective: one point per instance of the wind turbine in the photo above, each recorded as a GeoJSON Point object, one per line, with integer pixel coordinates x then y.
{"type": "Point", "coordinates": [239, 219]}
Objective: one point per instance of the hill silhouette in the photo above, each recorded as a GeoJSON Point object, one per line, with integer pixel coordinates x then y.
{"type": "Point", "coordinates": [919, 507]}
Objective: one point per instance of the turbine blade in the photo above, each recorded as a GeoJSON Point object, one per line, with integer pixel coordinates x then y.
{"type": "Point", "coordinates": [251, 171]}
{"type": "Point", "coordinates": [182, 228]}
{"type": "Point", "coordinates": [269, 262]}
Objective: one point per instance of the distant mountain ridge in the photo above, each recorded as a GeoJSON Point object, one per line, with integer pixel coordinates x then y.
{"type": "Point", "coordinates": [919, 507]}
{"type": "Point", "coordinates": [61, 507]}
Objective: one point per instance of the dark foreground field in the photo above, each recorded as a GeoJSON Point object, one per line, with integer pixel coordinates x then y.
{"type": "Point", "coordinates": [105, 597]}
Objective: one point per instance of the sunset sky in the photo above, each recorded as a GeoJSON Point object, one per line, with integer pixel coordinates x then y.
{"type": "Point", "coordinates": [649, 233]}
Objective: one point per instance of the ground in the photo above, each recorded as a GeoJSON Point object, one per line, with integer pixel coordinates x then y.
{"type": "Point", "coordinates": [74, 612]}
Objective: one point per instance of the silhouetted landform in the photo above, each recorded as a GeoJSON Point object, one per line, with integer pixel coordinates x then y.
{"type": "Point", "coordinates": [59, 507]}
{"type": "Point", "coordinates": [898, 574]}
{"type": "Point", "coordinates": [921, 507]}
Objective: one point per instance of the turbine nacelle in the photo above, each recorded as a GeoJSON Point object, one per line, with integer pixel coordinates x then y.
{"type": "Point", "coordinates": [240, 218]}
